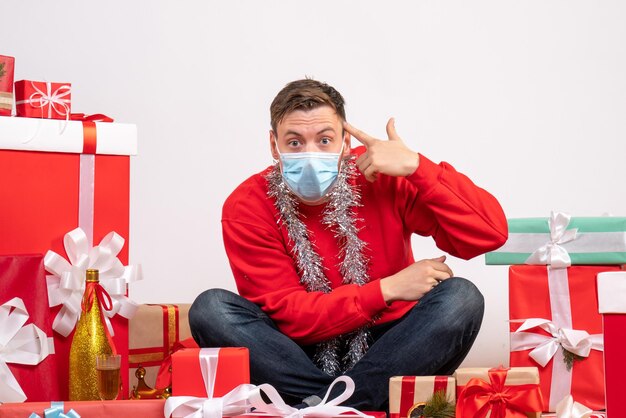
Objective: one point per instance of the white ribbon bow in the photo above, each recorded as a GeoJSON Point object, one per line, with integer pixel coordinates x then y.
{"type": "Point", "coordinates": [327, 408]}
{"type": "Point", "coordinates": [244, 397]}
{"type": "Point", "coordinates": [233, 403]}
{"type": "Point", "coordinates": [239, 401]}
{"type": "Point", "coordinates": [19, 344]}
{"type": "Point", "coordinates": [567, 408]}
{"type": "Point", "coordinates": [552, 253]}
{"type": "Point", "coordinates": [66, 285]}
{"type": "Point", "coordinates": [544, 347]}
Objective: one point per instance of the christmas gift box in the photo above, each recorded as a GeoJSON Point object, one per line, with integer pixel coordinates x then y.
{"type": "Point", "coordinates": [498, 392]}
{"type": "Point", "coordinates": [53, 181]}
{"type": "Point", "coordinates": [153, 333]}
{"type": "Point", "coordinates": [409, 392]}
{"type": "Point", "coordinates": [264, 400]}
{"type": "Point", "coordinates": [7, 66]}
{"type": "Point", "coordinates": [27, 366]}
{"type": "Point", "coordinates": [561, 241]}
{"type": "Point", "coordinates": [42, 99]}
{"type": "Point", "coordinates": [556, 327]}
{"type": "Point", "coordinates": [612, 306]}
{"type": "Point", "coordinates": [222, 369]}
{"type": "Point", "coordinates": [152, 408]}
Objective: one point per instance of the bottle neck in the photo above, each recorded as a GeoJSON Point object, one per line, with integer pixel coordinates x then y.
{"type": "Point", "coordinates": [92, 276]}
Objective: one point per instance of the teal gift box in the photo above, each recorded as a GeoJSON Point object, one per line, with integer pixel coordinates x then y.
{"type": "Point", "coordinates": [562, 240]}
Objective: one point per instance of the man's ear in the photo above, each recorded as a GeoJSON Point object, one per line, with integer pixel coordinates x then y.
{"type": "Point", "coordinates": [273, 145]}
{"type": "Point", "coordinates": [346, 145]}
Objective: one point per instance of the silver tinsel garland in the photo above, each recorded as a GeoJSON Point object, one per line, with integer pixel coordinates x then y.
{"type": "Point", "coordinates": [339, 214]}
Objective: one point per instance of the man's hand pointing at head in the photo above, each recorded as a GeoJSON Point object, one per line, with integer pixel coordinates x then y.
{"type": "Point", "coordinates": [391, 157]}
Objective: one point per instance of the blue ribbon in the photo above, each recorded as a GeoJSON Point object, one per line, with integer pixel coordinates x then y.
{"type": "Point", "coordinates": [56, 411]}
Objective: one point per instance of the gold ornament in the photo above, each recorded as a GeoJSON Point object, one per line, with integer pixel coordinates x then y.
{"type": "Point", "coordinates": [143, 391]}
{"type": "Point", "coordinates": [90, 339]}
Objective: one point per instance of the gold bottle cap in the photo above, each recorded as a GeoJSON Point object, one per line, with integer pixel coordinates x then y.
{"type": "Point", "coordinates": [92, 276]}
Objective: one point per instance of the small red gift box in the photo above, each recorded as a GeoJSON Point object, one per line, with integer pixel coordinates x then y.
{"type": "Point", "coordinates": [612, 305]}
{"type": "Point", "coordinates": [23, 276]}
{"type": "Point", "coordinates": [7, 66]}
{"type": "Point", "coordinates": [225, 369]}
{"type": "Point", "coordinates": [40, 99]}
{"type": "Point", "coordinates": [561, 304]}
{"type": "Point", "coordinates": [498, 392]}
{"type": "Point", "coordinates": [151, 408]}
{"type": "Point", "coordinates": [407, 391]}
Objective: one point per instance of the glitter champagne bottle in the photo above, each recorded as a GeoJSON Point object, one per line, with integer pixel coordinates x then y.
{"type": "Point", "coordinates": [90, 339]}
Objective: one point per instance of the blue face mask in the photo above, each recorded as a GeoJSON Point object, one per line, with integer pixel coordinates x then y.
{"type": "Point", "coordinates": [310, 175]}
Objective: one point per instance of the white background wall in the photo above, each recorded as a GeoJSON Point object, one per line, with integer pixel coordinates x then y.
{"type": "Point", "coordinates": [526, 97]}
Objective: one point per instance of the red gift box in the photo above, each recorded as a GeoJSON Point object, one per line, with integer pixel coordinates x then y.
{"type": "Point", "coordinates": [612, 306]}
{"type": "Point", "coordinates": [151, 408]}
{"type": "Point", "coordinates": [498, 392]}
{"type": "Point", "coordinates": [43, 200]}
{"type": "Point", "coordinates": [23, 276]}
{"type": "Point", "coordinates": [566, 298]}
{"type": "Point", "coordinates": [406, 391]}
{"type": "Point", "coordinates": [41, 99]}
{"type": "Point", "coordinates": [7, 66]}
{"type": "Point", "coordinates": [226, 367]}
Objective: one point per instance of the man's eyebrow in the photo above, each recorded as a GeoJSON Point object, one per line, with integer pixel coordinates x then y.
{"type": "Point", "coordinates": [326, 129]}
{"type": "Point", "coordinates": [292, 132]}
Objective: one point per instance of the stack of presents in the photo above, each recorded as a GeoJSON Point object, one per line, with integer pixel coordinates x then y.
{"type": "Point", "coordinates": [64, 190]}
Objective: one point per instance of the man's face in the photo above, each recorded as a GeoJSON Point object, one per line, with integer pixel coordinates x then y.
{"type": "Point", "coordinates": [315, 130]}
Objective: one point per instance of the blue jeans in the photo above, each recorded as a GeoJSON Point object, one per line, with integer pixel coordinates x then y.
{"type": "Point", "coordinates": [433, 338]}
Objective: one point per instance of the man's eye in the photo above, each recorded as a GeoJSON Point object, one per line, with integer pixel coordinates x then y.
{"type": "Point", "coordinates": [326, 141]}
{"type": "Point", "coordinates": [293, 143]}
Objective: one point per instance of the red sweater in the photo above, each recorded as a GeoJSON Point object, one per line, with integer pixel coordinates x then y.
{"type": "Point", "coordinates": [435, 200]}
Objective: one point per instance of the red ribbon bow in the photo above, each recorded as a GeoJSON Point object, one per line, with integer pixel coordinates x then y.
{"type": "Point", "coordinates": [95, 290]}
{"type": "Point", "coordinates": [164, 375]}
{"type": "Point", "coordinates": [480, 397]}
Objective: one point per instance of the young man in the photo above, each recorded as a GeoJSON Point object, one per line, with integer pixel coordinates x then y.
{"type": "Point", "coordinates": [319, 245]}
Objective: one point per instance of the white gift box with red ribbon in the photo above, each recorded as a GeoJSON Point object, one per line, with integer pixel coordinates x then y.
{"type": "Point", "coordinates": [612, 292]}
{"type": "Point", "coordinates": [49, 135]}
{"type": "Point", "coordinates": [612, 306]}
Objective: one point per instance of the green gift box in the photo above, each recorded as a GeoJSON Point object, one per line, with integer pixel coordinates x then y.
{"type": "Point", "coordinates": [561, 241]}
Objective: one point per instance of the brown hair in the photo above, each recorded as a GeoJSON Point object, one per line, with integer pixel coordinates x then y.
{"type": "Point", "coordinates": [305, 94]}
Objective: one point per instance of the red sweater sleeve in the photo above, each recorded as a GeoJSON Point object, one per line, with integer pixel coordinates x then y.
{"type": "Point", "coordinates": [265, 274]}
{"type": "Point", "coordinates": [464, 219]}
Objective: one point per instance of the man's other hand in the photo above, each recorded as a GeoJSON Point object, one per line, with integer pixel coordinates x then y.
{"type": "Point", "coordinates": [413, 282]}
{"type": "Point", "coordinates": [391, 157]}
